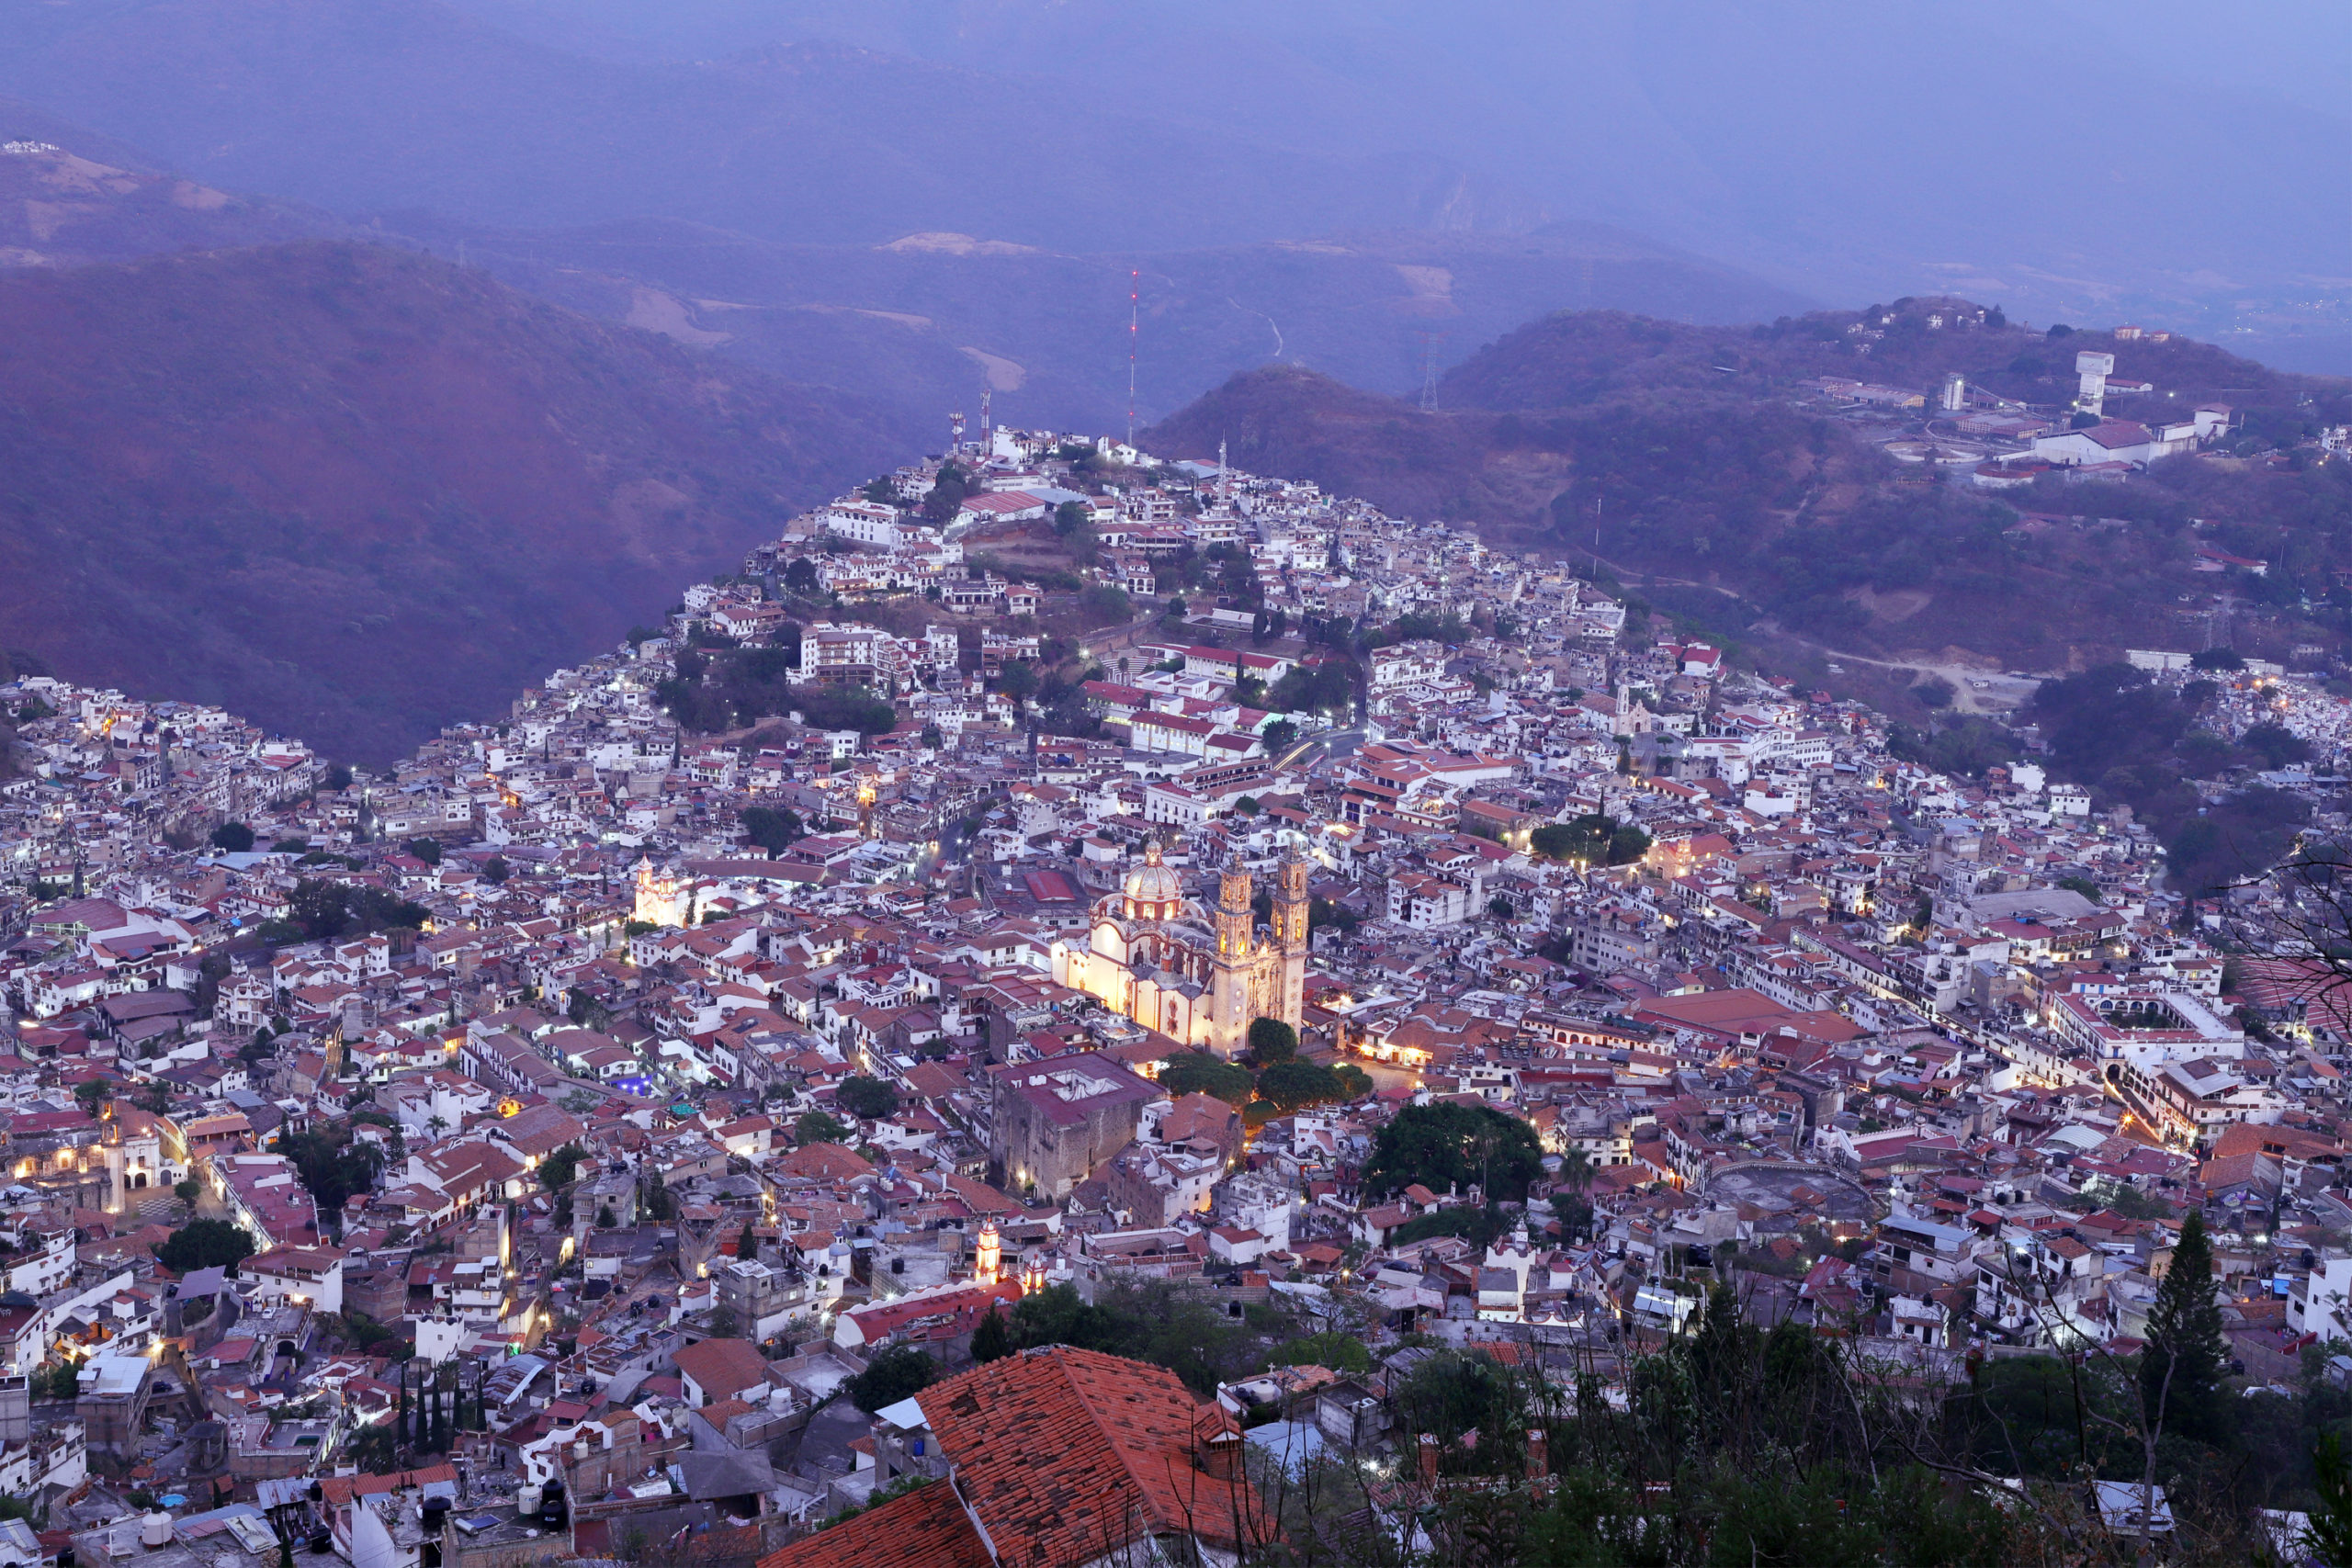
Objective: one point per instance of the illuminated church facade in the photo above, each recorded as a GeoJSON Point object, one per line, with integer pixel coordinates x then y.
{"type": "Point", "coordinates": [662, 898]}
{"type": "Point", "coordinates": [1199, 976]}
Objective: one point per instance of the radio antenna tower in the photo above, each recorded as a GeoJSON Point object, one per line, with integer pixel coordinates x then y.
{"type": "Point", "coordinates": [985, 426]}
{"type": "Point", "coordinates": [1134, 309]}
{"type": "Point", "coordinates": [954, 431]}
{"type": "Point", "coordinates": [1430, 340]}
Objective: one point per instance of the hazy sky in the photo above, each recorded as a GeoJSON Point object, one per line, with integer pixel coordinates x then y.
{"type": "Point", "coordinates": [2185, 165]}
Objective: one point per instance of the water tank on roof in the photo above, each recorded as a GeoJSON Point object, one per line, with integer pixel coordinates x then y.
{"type": "Point", "coordinates": [156, 1530]}
{"type": "Point", "coordinates": [526, 1499]}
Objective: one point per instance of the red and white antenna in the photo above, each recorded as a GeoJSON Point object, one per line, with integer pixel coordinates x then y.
{"type": "Point", "coordinates": [1134, 309]}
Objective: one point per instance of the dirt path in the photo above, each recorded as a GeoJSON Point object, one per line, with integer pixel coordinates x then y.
{"type": "Point", "coordinates": [2000, 693]}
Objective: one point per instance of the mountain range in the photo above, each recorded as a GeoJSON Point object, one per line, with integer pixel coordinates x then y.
{"type": "Point", "coordinates": [1841, 151]}
{"type": "Point", "coordinates": [357, 493]}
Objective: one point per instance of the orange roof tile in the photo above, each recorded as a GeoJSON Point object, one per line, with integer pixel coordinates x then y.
{"type": "Point", "coordinates": [1064, 1454]}
{"type": "Point", "coordinates": [925, 1528]}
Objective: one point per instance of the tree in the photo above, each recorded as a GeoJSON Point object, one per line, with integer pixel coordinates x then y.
{"type": "Point", "coordinates": [234, 837]}
{"type": "Point", "coordinates": [1278, 736]}
{"type": "Point", "coordinates": [2328, 1537]}
{"type": "Point", "coordinates": [1592, 839]}
{"type": "Point", "coordinates": [800, 575]}
{"type": "Point", "coordinates": [2180, 1369]}
{"type": "Point", "coordinates": [1294, 1084]}
{"type": "Point", "coordinates": [2217, 658]}
{"type": "Point", "coordinates": [771, 829]}
{"type": "Point", "coordinates": [205, 1243]}
{"type": "Point", "coordinates": [1018, 680]}
{"type": "Point", "coordinates": [1272, 1040]}
{"type": "Point", "coordinates": [1204, 1072]}
{"type": "Point", "coordinates": [332, 1165]}
{"type": "Point", "coordinates": [992, 1341]}
{"type": "Point", "coordinates": [561, 1166]}
{"type": "Point", "coordinates": [1501, 908]}
{"type": "Point", "coordinates": [818, 1128]}
{"type": "Point", "coordinates": [606, 1218]}
{"type": "Point", "coordinates": [868, 1098]}
{"type": "Point", "coordinates": [747, 1247]}
{"type": "Point", "coordinates": [1454, 1145]}
{"type": "Point", "coordinates": [892, 1375]}
{"type": "Point", "coordinates": [186, 1191]}
{"type": "Point", "coordinates": [947, 493]}
{"type": "Point", "coordinates": [497, 870]}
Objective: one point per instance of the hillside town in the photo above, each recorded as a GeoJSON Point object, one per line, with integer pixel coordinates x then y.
{"type": "Point", "coordinates": [599, 1130]}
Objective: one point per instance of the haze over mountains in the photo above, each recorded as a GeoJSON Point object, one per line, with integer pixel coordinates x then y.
{"type": "Point", "coordinates": [2032, 156]}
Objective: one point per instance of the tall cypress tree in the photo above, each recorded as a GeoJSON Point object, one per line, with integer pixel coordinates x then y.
{"type": "Point", "coordinates": [2180, 1371]}
{"type": "Point", "coordinates": [992, 1341]}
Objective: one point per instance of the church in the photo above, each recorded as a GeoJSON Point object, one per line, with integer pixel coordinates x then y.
{"type": "Point", "coordinates": [1198, 976]}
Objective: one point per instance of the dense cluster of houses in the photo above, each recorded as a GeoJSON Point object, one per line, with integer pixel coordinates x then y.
{"type": "Point", "coordinates": [648, 1126]}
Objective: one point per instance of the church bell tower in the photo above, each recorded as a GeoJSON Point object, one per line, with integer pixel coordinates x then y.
{"type": "Point", "coordinates": [1290, 934]}
{"type": "Point", "coordinates": [1231, 967]}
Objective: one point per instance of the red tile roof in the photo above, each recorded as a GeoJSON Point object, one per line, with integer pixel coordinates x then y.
{"type": "Point", "coordinates": [925, 1528]}
{"type": "Point", "coordinates": [1066, 1454]}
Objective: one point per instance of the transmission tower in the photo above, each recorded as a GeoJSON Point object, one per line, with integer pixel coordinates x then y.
{"type": "Point", "coordinates": [1135, 320]}
{"type": "Point", "coordinates": [1430, 340]}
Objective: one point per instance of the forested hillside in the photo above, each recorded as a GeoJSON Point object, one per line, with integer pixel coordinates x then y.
{"type": "Point", "coordinates": [357, 493]}
{"type": "Point", "coordinates": [1697, 467]}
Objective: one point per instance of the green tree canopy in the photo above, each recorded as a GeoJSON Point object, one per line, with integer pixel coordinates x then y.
{"type": "Point", "coordinates": [332, 1165]}
{"type": "Point", "coordinates": [771, 829]}
{"type": "Point", "coordinates": [1151, 1321]}
{"type": "Point", "coordinates": [234, 837]}
{"type": "Point", "coordinates": [1204, 1072]}
{"type": "Point", "coordinates": [869, 1097]}
{"type": "Point", "coordinates": [1593, 838]}
{"type": "Point", "coordinates": [205, 1243]}
{"type": "Point", "coordinates": [1454, 1145]}
{"type": "Point", "coordinates": [561, 1166]}
{"type": "Point", "coordinates": [818, 1127]}
{"type": "Point", "coordinates": [992, 1341]}
{"type": "Point", "coordinates": [892, 1375]}
{"type": "Point", "coordinates": [1272, 1040]}
{"type": "Point", "coordinates": [325, 911]}
{"type": "Point", "coordinates": [1296, 1084]}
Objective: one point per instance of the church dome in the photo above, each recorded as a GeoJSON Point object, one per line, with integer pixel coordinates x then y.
{"type": "Point", "coordinates": [1154, 891]}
